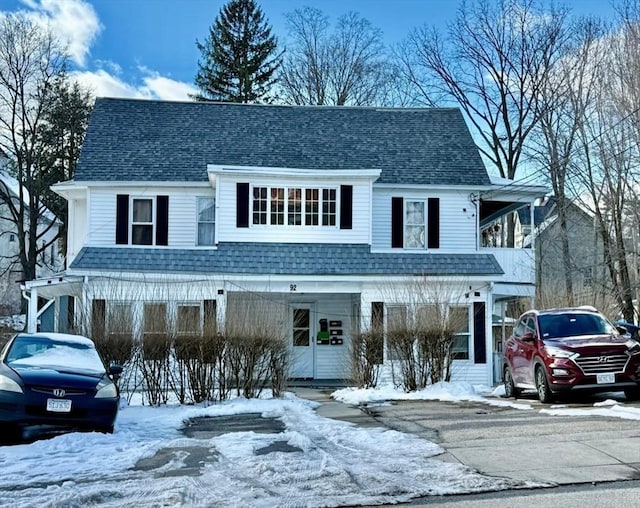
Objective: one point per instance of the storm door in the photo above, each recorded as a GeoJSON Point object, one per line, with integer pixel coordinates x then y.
{"type": "Point", "coordinates": [303, 345]}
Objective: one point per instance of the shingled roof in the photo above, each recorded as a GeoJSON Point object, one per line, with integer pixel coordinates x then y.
{"type": "Point", "coordinates": [140, 140]}
{"type": "Point", "coordinates": [283, 259]}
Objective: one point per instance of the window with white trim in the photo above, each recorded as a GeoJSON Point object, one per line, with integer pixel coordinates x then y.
{"type": "Point", "coordinates": [142, 221]}
{"type": "Point", "coordinates": [260, 203]}
{"type": "Point", "coordinates": [206, 220]}
{"type": "Point", "coordinates": [189, 319]}
{"type": "Point", "coordinates": [277, 206]}
{"type": "Point", "coordinates": [294, 206]}
{"type": "Point", "coordinates": [458, 319]}
{"type": "Point", "coordinates": [328, 207]}
{"type": "Point", "coordinates": [311, 208]}
{"type": "Point", "coordinates": [415, 224]}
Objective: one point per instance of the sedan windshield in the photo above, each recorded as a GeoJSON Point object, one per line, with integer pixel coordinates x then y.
{"type": "Point", "coordinates": [42, 352]}
{"type": "Point", "coordinates": [574, 325]}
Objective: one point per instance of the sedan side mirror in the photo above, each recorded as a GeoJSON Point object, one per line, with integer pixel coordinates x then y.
{"type": "Point", "coordinates": [115, 369]}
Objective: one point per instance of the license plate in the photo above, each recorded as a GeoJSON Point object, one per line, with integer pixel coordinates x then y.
{"type": "Point", "coordinates": [59, 405]}
{"type": "Point", "coordinates": [604, 379]}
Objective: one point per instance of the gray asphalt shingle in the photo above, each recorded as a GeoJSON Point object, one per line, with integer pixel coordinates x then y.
{"type": "Point", "coordinates": [283, 259]}
{"type": "Point", "coordinates": [141, 140]}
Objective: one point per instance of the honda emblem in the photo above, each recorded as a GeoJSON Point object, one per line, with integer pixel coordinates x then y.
{"type": "Point", "coordinates": [59, 392]}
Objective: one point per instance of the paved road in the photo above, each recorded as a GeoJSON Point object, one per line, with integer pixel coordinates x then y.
{"type": "Point", "coordinates": [523, 444]}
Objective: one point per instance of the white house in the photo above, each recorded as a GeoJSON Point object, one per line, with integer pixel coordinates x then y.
{"type": "Point", "coordinates": [333, 216]}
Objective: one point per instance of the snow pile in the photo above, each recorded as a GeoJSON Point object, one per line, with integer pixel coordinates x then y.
{"type": "Point", "coordinates": [449, 392]}
{"type": "Point", "coordinates": [338, 464]}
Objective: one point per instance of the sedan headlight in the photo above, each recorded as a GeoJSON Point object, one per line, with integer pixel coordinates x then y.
{"type": "Point", "coordinates": [556, 352]}
{"type": "Point", "coordinates": [9, 385]}
{"type": "Point", "coordinates": [106, 390]}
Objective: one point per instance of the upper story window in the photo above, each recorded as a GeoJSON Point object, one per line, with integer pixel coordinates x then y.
{"type": "Point", "coordinates": [294, 206]}
{"type": "Point", "coordinates": [142, 220]}
{"type": "Point", "coordinates": [415, 223]}
{"type": "Point", "coordinates": [328, 207]}
{"type": "Point", "coordinates": [206, 220]}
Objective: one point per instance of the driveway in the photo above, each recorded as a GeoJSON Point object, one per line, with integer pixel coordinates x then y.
{"type": "Point", "coordinates": [523, 444]}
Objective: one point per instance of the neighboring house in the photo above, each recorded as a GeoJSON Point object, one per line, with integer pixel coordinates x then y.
{"type": "Point", "coordinates": [329, 217]}
{"type": "Point", "coordinates": [588, 270]}
{"type": "Point", "coordinates": [10, 267]}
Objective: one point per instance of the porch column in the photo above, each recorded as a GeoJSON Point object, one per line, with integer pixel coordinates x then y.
{"type": "Point", "coordinates": [221, 308]}
{"type": "Point", "coordinates": [32, 312]}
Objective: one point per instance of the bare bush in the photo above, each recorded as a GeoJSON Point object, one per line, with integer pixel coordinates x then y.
{"type": "Point", "coordinates": [366, 357]}
{"type": "Point", "coordinates": [256, 344]}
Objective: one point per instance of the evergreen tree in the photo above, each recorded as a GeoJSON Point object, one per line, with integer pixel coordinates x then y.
{"type": "Point", "coordinates": [239, 58]}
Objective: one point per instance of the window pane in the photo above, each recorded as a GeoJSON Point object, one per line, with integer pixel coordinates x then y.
{"type": "Point", "coordinates": [206, 210]}
{"type": "Point", "coordinates": [415, 225]}
{"type": "Point", "coordinates": [415, 212]}
{"type": "Point", "coordinates": [188, 320]}
{"type": "Point", "coordinates": [277, 206]}
{"type": "Point", "coordinates": [260, 205]}
{"type": "Point", "coordinates": [206, 221]}
{"type": "Point", "coordinates": [311, 207]}
{"type": "Point", "coordinates": [414, 237]}
{"type": "Point", "coordinates": [142, 210]}
{"type": "Point", "coordinates": [142, 235]}
{"type": "Point", "coordinates": [206, 234]}
{"type": "Point", "coordinates": [328, 207]}
{"type": "Point", "coordinates": [294, 215]}
{"type": "Point", "coordinates": [155, 317]}
{"type": "Point", "coordinates": [301, 332]}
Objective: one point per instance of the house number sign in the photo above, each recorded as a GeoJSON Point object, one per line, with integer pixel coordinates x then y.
{"type": "Point", "coordinates": [292, 287]}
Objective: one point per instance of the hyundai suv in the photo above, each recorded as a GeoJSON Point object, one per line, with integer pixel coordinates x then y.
{"type": "Point", "coordinates": [558, 351]}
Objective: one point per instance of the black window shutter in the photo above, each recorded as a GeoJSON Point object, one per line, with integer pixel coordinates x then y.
{"type": "Point", "coordinates": [377, 315]}
{"type": "Point", "coordinates": [210, 319]}
{"type": "Point", "coordinates": [433, 226]}
{"type": "Point", "coordinates": [122, 219]}
{"type": "Point", "coordinates": [98, 319]}
{"type": "Point", "coordinates": [346, 206]}
{"type": "Point", "coordinates": [162, 220]}
{"type": "Point", "coordinates": [397, 222]}
{"type": "Point", "coordinates": [479, 333]}
{"type": "Point", "coordinates": [242, 205]}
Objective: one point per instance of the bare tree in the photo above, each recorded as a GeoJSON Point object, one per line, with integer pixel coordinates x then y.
{"type": "Point", "coordinates": [492, 63]}
{"type": "Point", "coordinates": [31, 60]}
{"type": "Point", "coordinates": [347, 66]}
{"type": "Point", "coordinates": [562, 105]}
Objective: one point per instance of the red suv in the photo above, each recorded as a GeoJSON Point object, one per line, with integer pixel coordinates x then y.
{"type": "Point", "coordinates": [568, 350]}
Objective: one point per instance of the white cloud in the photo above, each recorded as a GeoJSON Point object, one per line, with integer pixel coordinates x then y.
{"type": "Point", "coordinates": [104, 84]}
{"type": "Point", "coordinates": [74, 21]}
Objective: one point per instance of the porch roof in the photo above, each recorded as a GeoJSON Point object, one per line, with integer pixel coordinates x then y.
{"type": "Point", "coordinates": [284, 259]}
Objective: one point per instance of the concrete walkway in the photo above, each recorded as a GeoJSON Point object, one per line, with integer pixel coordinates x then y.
{"type": "Point", "coordinates": [506, 442]}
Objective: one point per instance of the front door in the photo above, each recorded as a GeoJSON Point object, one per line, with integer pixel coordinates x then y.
{"type": "Point", "coordinates": [303, 345]}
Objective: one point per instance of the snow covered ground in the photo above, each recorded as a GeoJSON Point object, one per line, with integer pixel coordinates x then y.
{"type": "Point", "coordinates": [338, 464]}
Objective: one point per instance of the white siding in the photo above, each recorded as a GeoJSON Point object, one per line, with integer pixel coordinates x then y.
{"type": "Point", "coordinates": [182, 213]}
{"type": "Point", "coordinates": [361, 214]}
{"type": "Point", "coordinates": [457, 218]}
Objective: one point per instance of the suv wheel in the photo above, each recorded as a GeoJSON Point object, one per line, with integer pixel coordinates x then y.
{"type": "Point", "coordinates": [542, 386]}
{"type": "Point", "coordinates": [510, 389]}
{"type": "Point", "coordinates": [632, 393]}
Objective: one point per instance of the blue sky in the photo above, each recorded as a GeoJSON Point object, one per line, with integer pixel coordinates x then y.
{"type": "Point", "coordinates": [146, 48]}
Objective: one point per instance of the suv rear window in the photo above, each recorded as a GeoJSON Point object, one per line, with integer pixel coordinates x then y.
{"type": "Point", "coordinates": [573, 325]}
